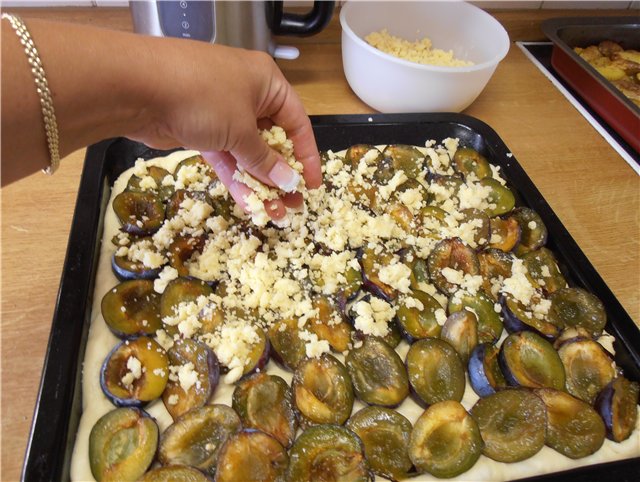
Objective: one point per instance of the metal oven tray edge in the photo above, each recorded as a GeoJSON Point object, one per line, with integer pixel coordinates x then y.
{"type": "Point", "coordinates": [569, 32]}
{"type": "Point", "coordinates": [58, 405]}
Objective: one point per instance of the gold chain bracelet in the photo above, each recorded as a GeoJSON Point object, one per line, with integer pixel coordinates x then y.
{"type": "Point", "coordinates": [42, 87]}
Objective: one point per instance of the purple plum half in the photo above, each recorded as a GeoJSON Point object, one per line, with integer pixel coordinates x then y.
{"type": "Point", "coordinates": [518, 317]}
{"type": "Point", "coordinates": [125, 269]}
{"type": "Point", "coordinates": [179, 401]}
{"type": "Point", "coordinates": [135, 372]}
{"type": "Point", "coordinates": [528, 360]}
{"type": "Point", "coordinates": [617, 404]}
{"type": "Point", "coordinates": [484, 372]}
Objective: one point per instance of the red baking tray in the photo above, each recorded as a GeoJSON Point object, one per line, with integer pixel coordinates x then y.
{"type": "Point", "coordinates": [569, 32]}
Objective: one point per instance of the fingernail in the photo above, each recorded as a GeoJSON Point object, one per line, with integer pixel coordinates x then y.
{"type": "Point", "coordinates": [285, 177]}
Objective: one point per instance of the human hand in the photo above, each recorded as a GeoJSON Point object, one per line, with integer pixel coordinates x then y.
{"type": "Point", "coordinates": [214, 99]}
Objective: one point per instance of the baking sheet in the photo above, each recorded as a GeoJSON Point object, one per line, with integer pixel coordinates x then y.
{"type": "Point", "coordinates": [569, 32]}
{"type": "Point", "coordinates": [58, 406]}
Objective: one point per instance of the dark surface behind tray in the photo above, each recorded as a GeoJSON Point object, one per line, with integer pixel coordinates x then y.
{"type": "Point", "coordinates": [58, 406]}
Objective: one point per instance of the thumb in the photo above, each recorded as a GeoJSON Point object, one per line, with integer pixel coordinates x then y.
{"type": "Point", "coordinates": [264, 163]}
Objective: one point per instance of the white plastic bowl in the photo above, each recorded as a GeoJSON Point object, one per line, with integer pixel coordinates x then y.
{"type": "Point", "coordinates": [391, 84]}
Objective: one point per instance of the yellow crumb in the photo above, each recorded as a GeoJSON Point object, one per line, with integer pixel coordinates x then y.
{"type": "Point", "coordinates": [420, 51]}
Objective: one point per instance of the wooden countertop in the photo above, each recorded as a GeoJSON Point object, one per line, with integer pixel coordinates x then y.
{"type": "Point", "coordinates": [591, 189]}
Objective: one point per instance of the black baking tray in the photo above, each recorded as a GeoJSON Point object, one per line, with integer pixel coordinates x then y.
{"type": "Point", "coordinates": [58, 406]}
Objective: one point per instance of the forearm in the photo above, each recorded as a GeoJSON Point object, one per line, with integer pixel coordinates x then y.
{"type": "Point", "coordinates": [96, 81]}
{"type": "Point", "coordinates": [160, 91]}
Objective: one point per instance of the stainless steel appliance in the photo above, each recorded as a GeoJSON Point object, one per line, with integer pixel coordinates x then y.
{"type": "Point", "coordinates": [246, 24]}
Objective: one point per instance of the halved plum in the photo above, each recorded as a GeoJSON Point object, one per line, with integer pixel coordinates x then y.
{"type": "Point", "coordinates": [518, 317]}
{"type": "Point", "coordinates": [204, 363]}
{"type": "Point", "coordinates": [467, 160]}
{"type": "Point", "coordinates": [495, 266]}
{"type": "Point", "coordinates": [378, 375]}
{"type": "Point", "coordinates": [158, 174]}
{"type": "Point", "coordinates": [174, 473]}
{"type": "Point", "coordinates": [224, 205]}
{"type": "Point", "coordinates": [419, 270]}
{"type": "Point", "coordinates": [461, 332]}
{"type": "Point", "coordinates": [392, 337]}
{"type": "Point", "coordinates": [258, 354]}
{"type": "Point", "coordinates": [385, 434]}
{"type": "Point", "coordinates": [445, 440]}
{"type": "Point", "coordinates": [322, 391]}
{"type": "Point", "coordinates": [181, 249]}
{"type": "Point", "coordinates": [589, 367]}
{"type": "Point", "coordinates": [489, 322]}
{"type": "Point", "coordinates": [264, 402]}
{"type": "Point", "coordinates": [401, 214]}
{"type": "Point", "coordinates": [195, 439]}
{"type": "Point", "coordinates": [328, 453]}
{"type": "Point", "coordinates": [365, 197]}
{"type": "Point", "coordinates": [543, 268]}
{"type": "Point", "coordinates": [176, 199]}
{"type": "Point", "coordinates": [122, 444]}
{"type": "Point", "coordinates": [288, 349]}
{"type": "Point", "coordinates": [140, 213]}
{"type": "Point", "coordinates": [574, 428]}
{"type": "Point", "coordinates": [413, 185]}
{"type": "Point", "coordinates": [450, 184]}
{"type": "Point", "coordinates": [356, 152]}
{"type": "Point", "coordinates": [432, 219]}
{"type": "Point", "coordinates": [399, 157]}
{"type": "Point", "coordinates": [575, 307]}
{"type": "Point", "coordinates": [528, 360]}
{"type": "Point", "coordinates": [251, 455]}
{"type": "Point", "coordinates": [132, 308]}
{"type": "Point", "coordinates": [501, 199]}
{"type": "Point", "coordinates": [485, 375]}
{"type": "Point", "coordinates": [125, 269]}
{"type": "Point", "coordinates": [370, 263]}
{"type": "Point", "coordinates": [211, 318]}
{"type": "Point", "coordinates": [353, 284]}
{"type": "Point", "coordinates": [329, 324]}
{"type": "Point", "coordinates": [435, 371]}
{"type": "Point", "coordinates": [415, 322]}
{"type": "Point", "coordinates": [617, 404]}
{"type": "Point", "coordinates": [570, 334]}
{"type": "Point", "coordinates": [480, 223]}
{"type": "Point", "coordinates": [533, 231]}
{"type": "Point", "coordinates": [505, 233]}
{"type": "Point", "coordinates": [203, 167]}
{"type": "Point", "coordinates": [451, 253]}
{"type": "Point", "coordinates": [512, 424]}
{"type": "Point", "coordinates": [180, 290]}
{"type": "Point", "coordinates": [135, 372]}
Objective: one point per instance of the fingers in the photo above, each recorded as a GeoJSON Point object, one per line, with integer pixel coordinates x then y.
{"type": "Point", "coordinates": [275, 209]}
{"type": "Point", "coordinates": [265, 164]}
{"type": "Point", "coordinates": [293, 200]}
{"type": "Point", "coordinates": [286, 110]}
{"type": "Point", "coordinates": [306, 151]}
{"type": "Point", "coordinates": [225, 166]}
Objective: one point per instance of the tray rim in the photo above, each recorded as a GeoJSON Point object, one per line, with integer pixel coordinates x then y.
{"type": "Point", "coordinates": [67, 339]}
